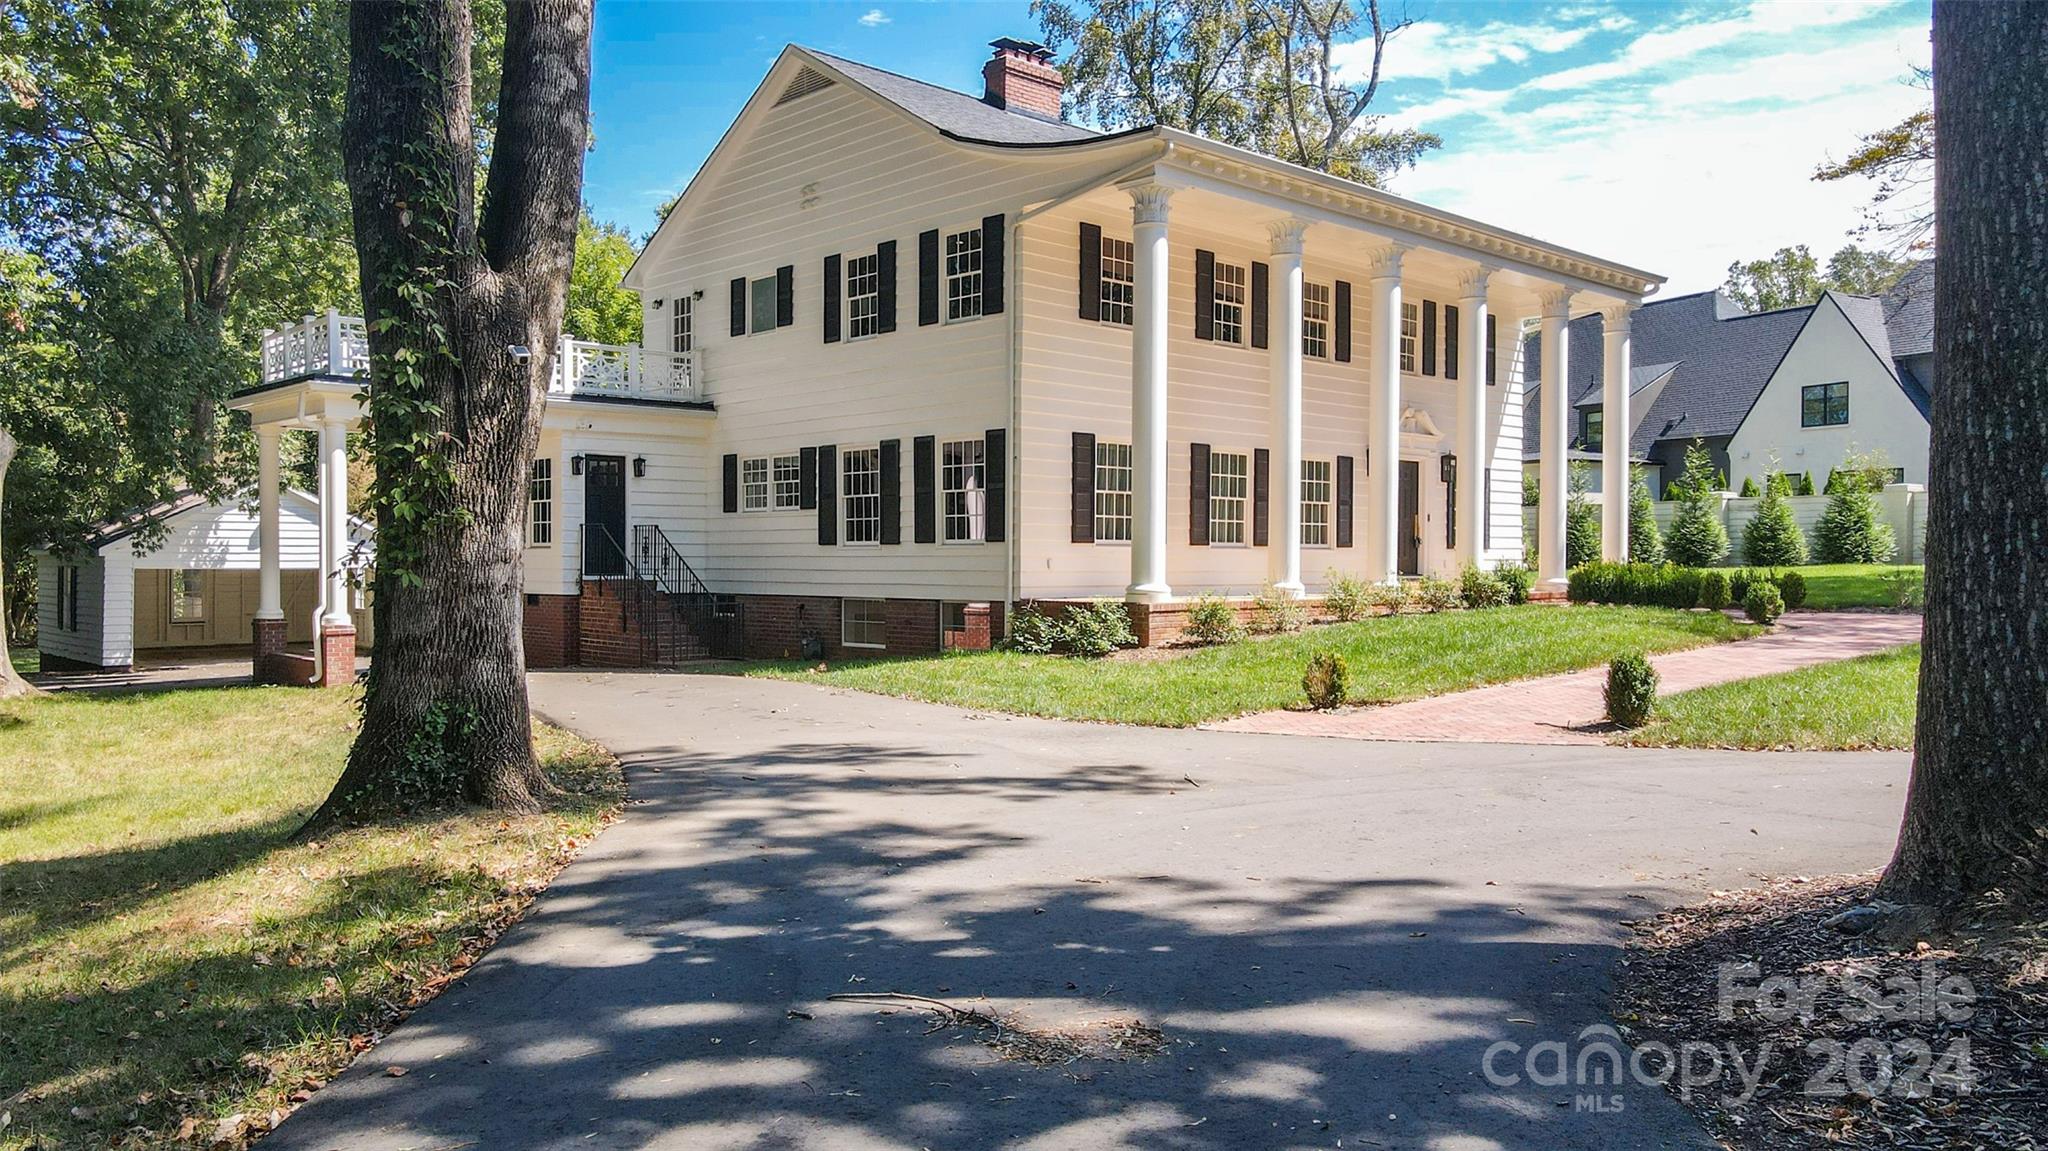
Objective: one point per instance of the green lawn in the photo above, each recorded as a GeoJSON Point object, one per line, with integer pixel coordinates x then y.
{"type": "Point", "coordinates": [1391, 658]}
{"type": "Point", "coordinates": [1861, 703]}
{"type": "Point", "coordinates": [169, 959]}
{"type": "Point", "coordinates": [26, 660]}
{"type": "Point", "coordinates": [1830, 586]}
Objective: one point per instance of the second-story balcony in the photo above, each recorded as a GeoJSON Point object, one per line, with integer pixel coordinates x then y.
{"type": "Point", "coordinates": [335, 345]}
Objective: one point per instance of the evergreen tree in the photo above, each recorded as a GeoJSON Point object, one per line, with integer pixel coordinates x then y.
{"type": "Point", "coordinates": [1645, 542]}
{"type": "Point", "coordinates": [1749, 491]}
{"type": "Point", "coordinates": [1582, 522]}
{"type": "Point", "coordinates": [1697, 538]}
{"type": "Point", "coordinates": [1849, 532]}
{"type": "Point", "coordinates": [1773, 538]}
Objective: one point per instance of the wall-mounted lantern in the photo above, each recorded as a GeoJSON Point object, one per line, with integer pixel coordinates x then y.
{"type": "Point", "coordinates": [576, 465]}
{"type": "Point", "coordinates": [639, 467]}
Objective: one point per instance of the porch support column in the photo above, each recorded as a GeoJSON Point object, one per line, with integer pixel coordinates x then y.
{"type": "Point", "coordinates": [1474, 445]}
{"type": "Point", "coordinates": [334, 522]}
{"type": "Point", "coordinates": [1148, 393]}
{"type": "Point", "coordinates": [1615, 423]}
{"type": "Point", "coordinates": [269, 589]}
{"type": "Point", "coordinates": [1383, 442]}
{"type": "Point", "coordinates": [1553, 473]}
{"type": "Point", "coordinates": [1283, 559]}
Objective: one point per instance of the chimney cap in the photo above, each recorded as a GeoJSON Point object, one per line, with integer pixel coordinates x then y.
{"type": "Point", "coordinates": [1031, 48]}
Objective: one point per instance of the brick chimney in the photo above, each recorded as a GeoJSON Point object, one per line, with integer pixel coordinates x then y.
{"type": "Point", "coordinates": [1021, 78]}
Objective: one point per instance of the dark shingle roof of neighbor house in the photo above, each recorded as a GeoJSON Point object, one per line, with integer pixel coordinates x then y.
{"type": "Point", "coordinates": [956, 113]}
{"type": "Point", "coordinates": [1909, 311]}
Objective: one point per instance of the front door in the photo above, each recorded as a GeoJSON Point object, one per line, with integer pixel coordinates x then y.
{"type": "Point", "coordinates": [604, 515]}
{"type": "Point", "coordinates": [1410, 531]}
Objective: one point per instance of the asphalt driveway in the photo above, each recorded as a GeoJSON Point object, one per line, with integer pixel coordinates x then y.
{"type": "Point", "coordinates": [1330, 933]}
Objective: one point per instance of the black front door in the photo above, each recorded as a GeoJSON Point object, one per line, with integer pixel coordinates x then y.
{"type": "Point", "coordinates": [604, 515]}
{"type": "Point", "coordinates": [1410, 529]}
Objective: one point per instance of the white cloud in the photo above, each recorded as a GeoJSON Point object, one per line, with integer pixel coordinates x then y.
{"type": "Point", "coordinates": [1666, 46]}
{"type": "Point", "coordinates": [1433, 50]}
{"type": "Point", "coordinates": [874, 18]}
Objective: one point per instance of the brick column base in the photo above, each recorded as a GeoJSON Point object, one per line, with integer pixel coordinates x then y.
{"type": "Point", "coordinates": [337, 656]}
{"type": "Point", "coordinates": [266, 650]}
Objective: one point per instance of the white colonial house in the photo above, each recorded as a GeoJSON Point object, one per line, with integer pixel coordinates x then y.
{"type": "Point", "coordinates": [914, 355]}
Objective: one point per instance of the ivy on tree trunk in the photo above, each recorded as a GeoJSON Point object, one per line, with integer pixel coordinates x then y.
{"type": "Point", "coordinates": [449, 292]}
{"type": "Point", "coordinates": [1976, 823]}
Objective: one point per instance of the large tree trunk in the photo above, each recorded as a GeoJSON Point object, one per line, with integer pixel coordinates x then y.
{"type": "Point", "coordinates": [11, 683]}
{"type": "Point", "coordinates": [456, 412]}
{"type": "Point", "coordinates": [1976, 820]}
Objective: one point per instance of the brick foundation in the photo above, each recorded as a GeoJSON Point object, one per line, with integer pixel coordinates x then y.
{"type": "Point", "coordinates": [266, 654]}
{"type": "Point", "coordinates": [551, 630]}
{"type": "Point", "coordinates": [337, 656]}
{"type": "Point", "coordinates": [1160, 624]}
{"type": "Point", "coordinates": [588, 631]}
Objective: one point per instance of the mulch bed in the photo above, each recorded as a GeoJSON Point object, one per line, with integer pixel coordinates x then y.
{"type": "Point", "coordinates": [1929, 1046]}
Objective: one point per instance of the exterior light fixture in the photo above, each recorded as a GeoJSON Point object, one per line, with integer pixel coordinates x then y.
{"type": "Point", "coordinates": [1448, 468]}
{"type": "Point", "coordinates": [657, 304]}
{"type": "Point", "coordinates": [639, 467]}
{"type": "Point", "coordinates": [576, 465]}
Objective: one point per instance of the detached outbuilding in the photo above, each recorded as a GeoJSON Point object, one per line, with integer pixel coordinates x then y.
{"type": "Point", "coordinates": [112, 601]}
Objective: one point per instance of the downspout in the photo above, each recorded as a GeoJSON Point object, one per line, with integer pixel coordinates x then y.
{"type": "Point", "coordinates": [1012, 574]}
{"type": "Point", "coordinates": [320, 608]}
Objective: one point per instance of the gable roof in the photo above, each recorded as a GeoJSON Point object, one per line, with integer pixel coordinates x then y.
{"type": "Point", "coordinates": [1909, 311]}
{"type": "Point", "coordinates": [120, 526]}
{"type": "Point", "coordinates": [956, 114]}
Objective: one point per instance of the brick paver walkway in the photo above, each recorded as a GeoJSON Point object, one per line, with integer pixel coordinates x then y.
{"type": "Point", "coordinates": [1568, 708]}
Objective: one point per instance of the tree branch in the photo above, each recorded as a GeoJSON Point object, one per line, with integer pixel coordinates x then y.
{"type": "Point", "coordinates": [543, 128]}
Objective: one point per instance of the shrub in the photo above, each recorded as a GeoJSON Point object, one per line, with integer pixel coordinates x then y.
{"type": "Point", "coordinates": [1094, 630]}
{"type": "Point", "coordinates": [1345, 596]}
{"type": "Point", "coordinates": [1749, 491]}
{"type": "Point", "coordinates": [1481, 588]}
{"type": "Point", "coordinates": [1849, 531]}
{"type": "Point", "coordinates": [1275, 612]}
{"type": "Point", "coordinates": [1792, 586]}
{"type": "Point", "coordinates": [1434, 593]}
{"type": "Point", "coordinates": [1763, 603]}
{"type": "Point", "coordinates": [1697, 538]}
{"type": "Point", "coordinates": [1519, 578]}
{"type": "Point", "coordinates": [1907, 586]}
{"type": "Point", "coordinates": [1773, 538]}
{"type": "Point", "coordinates": [1660, 585]}
{"type": "Point", "coordinates": [1645, 542]}
{"type": "Point", "coordinates": [1714, 590]}
{"type": "Point", "coordinates": [1392, 596]}
{"type": "Point", "coordinates": [1631, 690]}
{"type": "Point", "coordinates": [1327, 682]}
{"type": "Point", "coordinates": [1032, 631]}
{"type": "Point", "coordinates": [1581, 521]}
{"type": "Point", "coordinates": [1805, 484]}
{"type": "Point", "coordinates": [1211, 619]}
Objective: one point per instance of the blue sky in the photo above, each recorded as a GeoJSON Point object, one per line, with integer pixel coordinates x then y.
{"type": "Point", "coordinates": [1669, 136]}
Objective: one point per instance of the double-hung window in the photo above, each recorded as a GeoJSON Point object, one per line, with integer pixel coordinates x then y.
{"type": "Point", "coordinates": [754, 484]}
{"type": "Point", "coordinates": [1315, 320]}
{"type": "Point", "coordinates": [188, 596]}
{"type": "Point", "coordinates": [1228, 487]}
{"type": "Point", "coordinates": [1596, 430]}
{"type": "Point", "coordinates": [861, 494]}
{"type": "Point", "coordinates": [1112, 492]}
{"type": "Point", "coordinates": [1823, 405]}
{"type": "Point", "coordinates": [540, 503]}
{"type": "Point", "coordinates": [761, 305]}
{"type": "Point", "coordinates": [1119, 281]}
{"type": "Point", "coordinates": [961, 497]}
{"type": "Point", "coordinates": [1316, 502]}
{"type": "Point", "coordinates": [788, 482]}
{"type": "Point", "coordinates": [963, 275]}
{"type": "Point", "coordinates": [683, 336]}
{"type": "Point", "coordinates": [1411, 335]}
{"type": "Point", "coordinates": [1227, 319]}
{"type": "Point", "coordinates": [863, 296]}
{"type": "Point", "coordinates": [864, 623]}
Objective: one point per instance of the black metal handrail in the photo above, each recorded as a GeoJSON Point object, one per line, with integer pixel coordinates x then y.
{"type": "Point", "coordinates": [714, 619]}
{"type": "Point", "coordinates": [639, 599]}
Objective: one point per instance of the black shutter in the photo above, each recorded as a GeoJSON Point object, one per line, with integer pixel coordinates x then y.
{"type": "Point", "coordinates": [1198, 495]}
{"type": "Point", "coordinates": [1486, 512]}
{"type": "Point", "coordinates": [732, 483]}
{"type": "Point", "coordinates": [1450, 466]}
{"type": "Point", "coordinates": [1450, 341]}
{"type": "Point", "coordinates": [1342, 303]}
{"type": "Point", "coordinates": [928, 277]}
{"type": "Point", "coordinates": [1262, 495]}
{"type": "Point", "coordinates": [1344, 473]}
{"type": "Point", "coordinates": [885, 286]}
{"type": "Point", "coordinates": [832, 286]}
{"type": "Point", "coordinates": [807, 479]}
{"type": "Point", "coordinates": [892, 491]}
{"type": "Point", "coordinates": [1082, 528]}
{"type": "Point", "coordinates": [828, 494]}
{"type": "Point", "coordinates": [739, 306]}
{"type": "Point", "coordinates": [993, 276]}
{"type": "Point", "coordinates": [1261, 319]}
{"type": "Point", "coordinates": [924, 518]}
{"type": "Point", "coordinates": [1091, 278]}
{"type": "Point", "coordinates": [1491, 376]}
{"type": "Point", "coordinates": [1205, 294]}
{"type": "Point", "coordinates": [1429, 337]}
{"type": "Point", "coordinates": [995, 457]}
{"type": "Point", "coordinates": [785, 296]}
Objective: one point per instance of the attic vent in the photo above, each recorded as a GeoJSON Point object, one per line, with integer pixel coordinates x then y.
{"type": "Point", "coordinates": [807, 81]}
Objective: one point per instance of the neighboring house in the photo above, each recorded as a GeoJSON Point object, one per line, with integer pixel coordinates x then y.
{"type": "Point", "coordinates": [108, 601]}
{"type": "Point", "coordinates": [913, 355]}
{"type": "Point", "coordinates": [1795, 390]}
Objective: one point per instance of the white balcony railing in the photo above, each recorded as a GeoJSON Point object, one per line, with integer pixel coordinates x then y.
{"type": "Point", "coordinates": [337, 345]}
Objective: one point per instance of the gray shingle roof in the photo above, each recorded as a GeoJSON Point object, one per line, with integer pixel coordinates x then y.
{"type": "Point", "coordinates": [956, 113]}
{"type": "Point", "coordinates": [1866, 315]}
{"type": "Point", "coordinates": [1909, 311]}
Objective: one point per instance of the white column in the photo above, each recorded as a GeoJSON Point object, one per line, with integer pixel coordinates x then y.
{"type": "Point", "coordinates": [1383, 442]}
{"type": "Point", "coordinates": [269, 591]}
{"type": "Point", "coordinates": [1552, 473]}
{"type": "Point", "coordinates": [1475, 446]}
{"type": "Point", "coordinates": [334, 521]}
{"type": "Point", "coordinates": [1615, 422]}
{"type": "Point", "coordinates": [1283, 559]}
{"type": "Point", "coordinates": [1148, 393]}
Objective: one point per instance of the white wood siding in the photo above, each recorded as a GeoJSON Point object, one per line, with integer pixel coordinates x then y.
{"type": "Point", "coordinates": [85, 643]}
{"type": "Point", "coordinates": [679, 487]}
